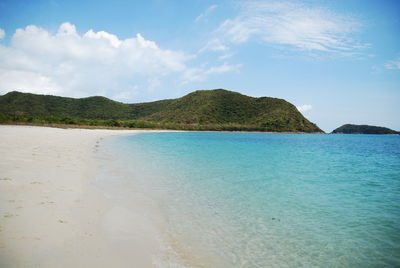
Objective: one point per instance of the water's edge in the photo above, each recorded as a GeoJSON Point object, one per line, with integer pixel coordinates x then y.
{"type": "Point", "coordinates": [134, 225]}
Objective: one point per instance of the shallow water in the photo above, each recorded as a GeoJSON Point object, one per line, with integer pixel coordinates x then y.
{"type": "Point", "coordinates": [268, 200]}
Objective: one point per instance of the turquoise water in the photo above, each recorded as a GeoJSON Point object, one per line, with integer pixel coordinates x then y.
{"type": "Point", "coordinates": [272, 200]}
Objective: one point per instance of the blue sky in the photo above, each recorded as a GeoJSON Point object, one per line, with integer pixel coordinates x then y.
{"type": "Point", "coordinates": [338, 61]}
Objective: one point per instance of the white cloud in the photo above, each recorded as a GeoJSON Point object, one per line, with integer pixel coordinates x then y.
{"type": "Point", "coordinates": [200, 74]}
{"type": "Point", "coordinates": [393, 64]}
{"type": "Point", "coordinates": [206, 13]}
{"type": "Point", "coordinates": [67, 63]}
{"type": "Point", "coordinates": [2, 33]}
{"type": "Point", "coordinates": [113, 39]}
{"type": "Point", "coordinates": [304, 108]}
{"type": "Point", "coordinates": [225, 56]}
{"type": "Point", "coordinates": [214, 45]}
{"type": "Point", "coordinates": [27, 81]}
{"type": "Point", "coordinates": [294, 25]}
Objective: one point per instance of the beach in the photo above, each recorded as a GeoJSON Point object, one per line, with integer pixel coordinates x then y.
{"type": "Point", "coordinates": [110, 198]}
{"type": "Point", "coordinates": [51, 215]}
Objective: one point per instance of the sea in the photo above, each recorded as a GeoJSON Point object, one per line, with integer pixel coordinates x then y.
{"type": "Point", "coordinates": [262, 199]}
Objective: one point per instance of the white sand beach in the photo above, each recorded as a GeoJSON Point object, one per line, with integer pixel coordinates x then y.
{"type": "Point", "coordinates": [50, 213]}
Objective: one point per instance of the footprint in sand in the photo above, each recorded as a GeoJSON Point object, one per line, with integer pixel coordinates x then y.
{"type": "Point", "coordinates": [47, 202]}
{"type": "Point", "coordinates": [8, 215]}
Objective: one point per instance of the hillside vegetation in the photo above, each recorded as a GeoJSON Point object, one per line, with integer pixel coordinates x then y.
{"type": "Point", "coordinates": [200, 110]}
{"type": "Point", "coordinates": [363, 129]}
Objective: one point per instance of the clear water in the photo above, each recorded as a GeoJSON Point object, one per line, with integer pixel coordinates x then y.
{"type": "Point", "coordinates": [272, 200]}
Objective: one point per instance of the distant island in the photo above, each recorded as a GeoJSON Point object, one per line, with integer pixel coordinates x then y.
{"type": "Point", "coordinates": [363, 129]}
{"type": "Point", "coordinates": [218, 109]}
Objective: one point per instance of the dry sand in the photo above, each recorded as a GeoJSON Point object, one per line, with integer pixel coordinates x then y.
{"type": "Point", "coordinates": [50, 213]}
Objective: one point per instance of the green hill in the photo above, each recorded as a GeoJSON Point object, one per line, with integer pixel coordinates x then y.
{"type": "Point", "coordinates": [202, 110]}
{"type": "Point", "coordinates": [363, 129]}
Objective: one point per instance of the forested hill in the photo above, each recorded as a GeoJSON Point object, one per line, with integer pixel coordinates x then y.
{"type": "Point", "coordinates": [217, 109]}
{"type": "Point", "coordinates": [363, 129]}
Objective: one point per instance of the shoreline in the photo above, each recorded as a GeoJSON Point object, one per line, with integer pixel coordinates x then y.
{"type": "Point", "coordinates": [71, 126]}
{"type": "Point", "coordinates": [51, 213]}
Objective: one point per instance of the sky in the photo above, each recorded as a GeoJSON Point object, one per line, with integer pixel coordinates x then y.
{"type": "Point", "coordinates": [337, 61]}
